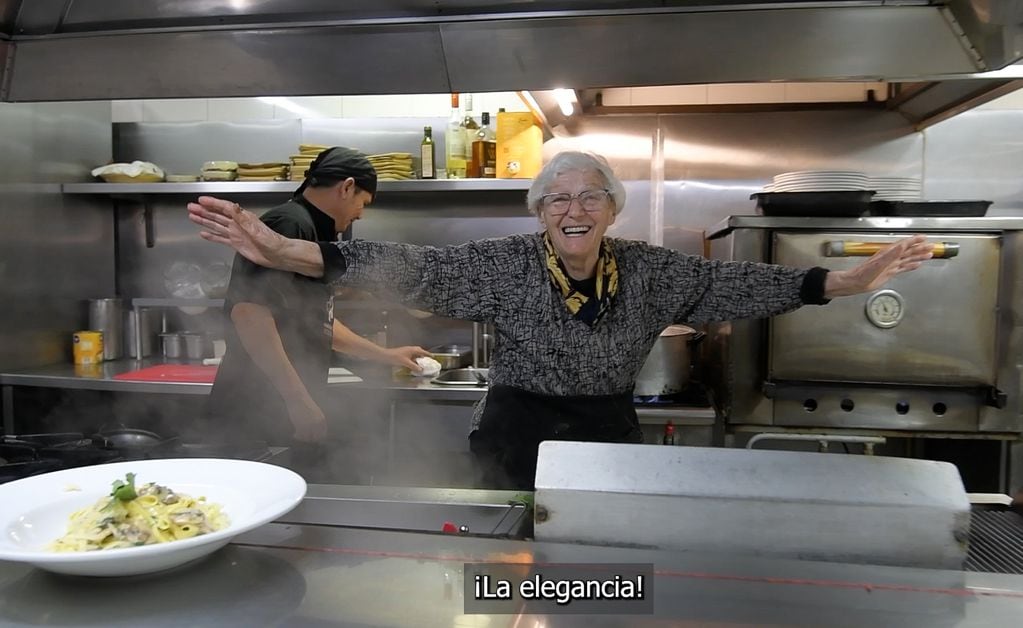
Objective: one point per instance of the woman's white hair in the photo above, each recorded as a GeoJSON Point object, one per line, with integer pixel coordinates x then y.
{"type": "Point", "coordinates": [571, 161]}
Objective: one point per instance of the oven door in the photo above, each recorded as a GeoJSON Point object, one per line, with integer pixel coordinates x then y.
{"type": "Point", "coordinates": [935, 325]}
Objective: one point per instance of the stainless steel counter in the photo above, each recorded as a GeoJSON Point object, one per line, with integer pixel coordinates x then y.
{"type": "Point", "coordinates": [399, 389]}
{"type": "Point", "coordinates": [98, 377]}
{"type": "Point", "coordinates": [303, 575]}
{"type": "Point", "coordinates": [102, 378]}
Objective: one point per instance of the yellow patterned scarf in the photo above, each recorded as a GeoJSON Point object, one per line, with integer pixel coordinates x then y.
{"type": "Point", "coordinates": [585, 308]}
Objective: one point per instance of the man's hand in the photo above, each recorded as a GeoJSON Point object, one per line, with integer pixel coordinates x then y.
{"type": "Point", "coordinates": [307, 419]}
{"type": "Point", "coordinates": [899, 257]}
{"type": "Point", "coordinates": [406, 357]}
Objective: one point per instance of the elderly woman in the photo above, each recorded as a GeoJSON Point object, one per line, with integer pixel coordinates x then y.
{"type": "Point", "coordinates": [575, 312]}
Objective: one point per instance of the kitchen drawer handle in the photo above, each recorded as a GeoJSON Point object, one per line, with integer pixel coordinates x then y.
{"type": "Point", "coordinates": [845, 248]}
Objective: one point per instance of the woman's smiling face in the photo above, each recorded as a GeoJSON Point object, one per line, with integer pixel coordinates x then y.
{"type": "Point", "coordinates": [577, 234]}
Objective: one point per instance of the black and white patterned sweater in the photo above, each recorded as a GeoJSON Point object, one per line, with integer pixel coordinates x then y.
{"type": "Point", "coordinates": [539, 346]}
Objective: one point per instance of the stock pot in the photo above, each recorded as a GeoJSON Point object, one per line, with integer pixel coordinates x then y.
{"type": "Point", "coordinates": [668, 366]}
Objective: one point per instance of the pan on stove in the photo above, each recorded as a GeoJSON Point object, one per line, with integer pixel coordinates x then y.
{"type": "Point", "coordinates": [131, 439]}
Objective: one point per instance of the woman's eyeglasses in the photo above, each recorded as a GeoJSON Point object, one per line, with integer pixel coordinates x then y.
{"type": "Point", "coordinates": [557, 204]}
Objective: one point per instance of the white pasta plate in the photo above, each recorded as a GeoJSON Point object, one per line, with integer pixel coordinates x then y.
{"type": "Point", "coordinates": [36, 511]}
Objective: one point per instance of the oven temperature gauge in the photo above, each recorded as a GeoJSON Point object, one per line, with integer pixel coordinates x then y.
{"type": "Point", "coordinates": [885, 308]}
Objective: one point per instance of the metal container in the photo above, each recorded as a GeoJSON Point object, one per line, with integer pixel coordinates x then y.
{"type": "Point", "coordinates": [452, 356]}
{"type": "Point", "coordinates": [87, 347]}
{"type": "Point", "coordinates": [196, 345]}
{"type": "Point", "coordinates": [107, 316]}
{"type": "Point", "coordinates": [173, 345]}
{"type": "Point", "coordinates": [668, 366]}
{"type": "Point", "coordinates": [147, 326]}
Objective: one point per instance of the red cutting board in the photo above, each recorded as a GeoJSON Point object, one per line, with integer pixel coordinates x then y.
{"type": "Point", "coordinates": [176, 373]}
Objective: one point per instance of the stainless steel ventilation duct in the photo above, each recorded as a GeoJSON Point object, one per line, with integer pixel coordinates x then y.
{"type": "Point", "coordinates": [120, 49]}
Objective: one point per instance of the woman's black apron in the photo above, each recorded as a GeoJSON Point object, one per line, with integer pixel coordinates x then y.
{"type": "Point", "coordinates": [516, 421]}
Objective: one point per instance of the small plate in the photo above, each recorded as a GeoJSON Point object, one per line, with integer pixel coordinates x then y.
{"type": "Point", "coordinates": [37, 509]}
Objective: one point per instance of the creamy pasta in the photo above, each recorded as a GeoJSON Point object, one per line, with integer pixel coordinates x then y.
{"type": "Point", "coordinates": [146, 516]}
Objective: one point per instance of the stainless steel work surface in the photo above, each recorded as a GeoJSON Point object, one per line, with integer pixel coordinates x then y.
{"type": "Point", "coordinates": [475, 512]}
{"type": "Point", "coordinates": [286, 575]}
{"type": "Point", "coordinates": [102, 378]}
{"type": "Point", "coordinates": [99, 378]}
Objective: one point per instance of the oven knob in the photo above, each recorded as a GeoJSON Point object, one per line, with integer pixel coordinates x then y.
{"type": "Point", "coordinates": [885, 308]}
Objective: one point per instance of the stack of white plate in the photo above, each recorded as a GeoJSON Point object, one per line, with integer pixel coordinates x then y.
{"type": "Point", "coordinates": [820, 181]}
{"type": "Point", "coordinates": [895, 188]}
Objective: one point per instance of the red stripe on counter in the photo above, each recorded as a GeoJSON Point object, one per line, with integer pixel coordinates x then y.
{"type": "Point", "coordinates": [809, 582]}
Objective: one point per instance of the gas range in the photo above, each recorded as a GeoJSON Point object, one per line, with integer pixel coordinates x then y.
{"type": "Point", "coordinates": [31, 454]}
{"type": "Point", "coordinates": [694, 395]}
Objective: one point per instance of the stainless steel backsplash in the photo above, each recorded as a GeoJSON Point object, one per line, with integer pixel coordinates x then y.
{"type": "Point", "coordinates": [56, 250]}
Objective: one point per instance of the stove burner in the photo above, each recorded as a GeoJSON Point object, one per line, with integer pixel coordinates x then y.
{"type": "Point", "coordinates": [694, 395]}
{"type": "Point", "coordinates": [31, 454]}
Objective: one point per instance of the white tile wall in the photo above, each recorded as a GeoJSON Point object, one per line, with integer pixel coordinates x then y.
{"type": "Point", "coordinates": [669, 95]}
{"type": "Point", "coordinates": [431, 105]}
{"type": "Point", "coordinates": [825, 92]}
{"type": "Point", "coordinates": [308, 107]}
{"type": "Point", "coordinates": [397, 106]}
{"type": "Point", "coordinates": [616, 96]}
{"type": "Point", "coordinates": [304, 107]}
{"type": "Point", "coordinates": [492, 101]}
{"type": "Point", "coordinates": [743, 93]}
{"type": "Point", "coordinates": [239, 109]}
{"type": "Point", "coordinates": [434, 105]}
{"type": "Point", "coordinates": [126, 111]}
{"type": "Point", "coordinates": [1012, 100]}
{"type": "Point", "coordinates": [175, 110]}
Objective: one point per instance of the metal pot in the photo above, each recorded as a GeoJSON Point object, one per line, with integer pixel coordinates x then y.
{"type": "Point", "coordinates": [668, 366]}
{"type": "Point", "coordinates": [197, 345]}
{"type": "Point", "coordinates": [452, 356]}
{"type": "Point", "coordinates": [173, 345]}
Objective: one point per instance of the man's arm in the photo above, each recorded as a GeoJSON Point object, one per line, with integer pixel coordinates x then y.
{"type": "Point", "coordinates": [347, 341]}
{"type": "Point", "coordinates": [258, 333]}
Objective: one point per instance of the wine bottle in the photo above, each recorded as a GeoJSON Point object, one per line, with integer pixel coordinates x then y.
{"type": "Point", "coordinates": [454, 142]}
{"type": "Point", "coordinates": [427, 161]}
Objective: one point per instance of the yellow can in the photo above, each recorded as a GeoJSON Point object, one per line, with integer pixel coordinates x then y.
{"type": "Point", "coordinates": [88, 347]}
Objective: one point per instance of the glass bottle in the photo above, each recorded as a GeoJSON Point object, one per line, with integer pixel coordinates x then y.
{"type": "Point", "coordinates": [471, 127]}
{"type": "Point", "coordinates": [454, 142]}
{"type": "Point", "coordinates": [669, 437]}
{"type": "Point", "coordinates": [483, 135]}
{"type": "Point", "coordinates": [484, 150]}
{"type": "Point", "coordinates": [427, 155]}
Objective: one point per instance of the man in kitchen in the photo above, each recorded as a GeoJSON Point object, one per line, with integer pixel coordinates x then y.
{"type": "Point", "coordinates": [272, 382]}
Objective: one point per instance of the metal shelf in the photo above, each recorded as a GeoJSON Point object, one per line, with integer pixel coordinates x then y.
{"type": "Point", "coordinates": [145, 302]}
{"type": "Point", "coordinates": [287, 187]}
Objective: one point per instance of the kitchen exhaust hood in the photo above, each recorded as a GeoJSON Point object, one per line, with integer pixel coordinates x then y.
{"type": "Point", "coordinates": [121, 49]}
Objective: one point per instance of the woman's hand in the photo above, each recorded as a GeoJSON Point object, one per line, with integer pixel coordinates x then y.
{"type": "Point", "coordinates": [899, 257]}
{"type": "Point", "coordinates": [227, 223]}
